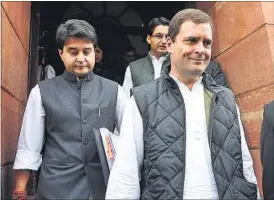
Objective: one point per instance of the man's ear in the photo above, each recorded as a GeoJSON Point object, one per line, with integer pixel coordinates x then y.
{"type": "Point", "coordinates": [60, 53]}
{"type": "Point", "coordinates": [148, 39]}
{"type": "Point", "coordinates": [169, 45]}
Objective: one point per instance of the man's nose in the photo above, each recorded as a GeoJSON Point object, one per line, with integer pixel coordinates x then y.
{"type": "Point", "coordinates": [200, 48]}
{"type": "Point", "coordinates": [80, 57]}
{"type": "Point", "coordinates": [164, 39]}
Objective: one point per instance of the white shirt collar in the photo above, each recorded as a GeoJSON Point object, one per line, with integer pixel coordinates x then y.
{"type": "Point", "coordinates": [161, 59]}
{"type": "Point", "coordinates": [198, 83]}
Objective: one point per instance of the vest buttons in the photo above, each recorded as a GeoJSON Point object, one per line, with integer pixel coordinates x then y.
{"type": "Point", "coordinates": [85, 141]}
{"type": "Point", "coordinates": [84, 121]}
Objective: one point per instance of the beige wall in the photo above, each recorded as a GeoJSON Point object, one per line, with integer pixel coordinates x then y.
{"type": "Point", "coordinates": [15, 56]}
{"type": "Point", "coordinates": [244, 45]}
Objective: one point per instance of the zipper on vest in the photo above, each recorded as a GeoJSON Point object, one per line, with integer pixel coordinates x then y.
{"type": "Point", "coordinates": [210, 123]}
{"type": "Point", "coordinates": [184, 157]}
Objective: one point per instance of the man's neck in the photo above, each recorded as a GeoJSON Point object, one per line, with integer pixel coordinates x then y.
{"type": "Point", "coordinates": [79, 78]}
{"type": "Point", "coordinates": [156, 54]}
{"type": "Point", "coordinates": [188, 81]}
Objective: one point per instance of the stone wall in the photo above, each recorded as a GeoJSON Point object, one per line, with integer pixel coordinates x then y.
{"type": "Point", "coordinates": [15, 17]}
{"type": "Point", "coordinates": [244, 45]}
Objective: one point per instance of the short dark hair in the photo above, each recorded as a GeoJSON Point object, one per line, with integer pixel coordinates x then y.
{"type": "Point", "coordinates": [75, 28]}
{"type": "Point", "coordinates": [156, 22]}
{"type": "Point", "coordinates": [194, 15]}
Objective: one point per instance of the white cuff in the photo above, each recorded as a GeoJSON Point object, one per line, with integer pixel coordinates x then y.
{"type": "Point", "coordinates": [27, 160]}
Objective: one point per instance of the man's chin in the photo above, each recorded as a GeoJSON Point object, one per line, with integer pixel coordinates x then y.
{"type": "Point", "coordinates": [197, 72]}
{"type": "Point", "coordinates": [81, 73]}
{"type": "Point", "coordinates": [162, 53]}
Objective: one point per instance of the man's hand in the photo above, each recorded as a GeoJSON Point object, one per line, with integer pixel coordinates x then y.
{"type": "Point", "coordinates": [20, 190]}
{"type": "Point", "coordinates": [19, 195]}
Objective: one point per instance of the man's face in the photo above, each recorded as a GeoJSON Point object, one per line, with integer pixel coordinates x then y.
{"type": "Point", "coordinates": [191, 50]}
{"type": "Point", "coordinates": [157, 40]}
{"type": "Point", "coordinates": [98, 55]}
{"type": "Point", "coordinates": [129, 56]}
{"type": "Point", "coordinates": [78, 56]}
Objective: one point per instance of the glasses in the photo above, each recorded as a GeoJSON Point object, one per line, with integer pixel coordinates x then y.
{"type": "Point", "coordinates": [160, 36]}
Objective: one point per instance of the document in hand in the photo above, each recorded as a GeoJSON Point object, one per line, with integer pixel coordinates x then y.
{"type": "Point", "coordinates": [105, 142]}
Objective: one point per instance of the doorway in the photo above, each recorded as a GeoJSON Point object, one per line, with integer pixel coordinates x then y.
{"type": "Point", "coordinates": [119, 26]}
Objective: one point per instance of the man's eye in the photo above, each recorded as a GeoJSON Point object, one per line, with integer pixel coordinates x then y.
{"type": "Point", "coordinates": [159, 36]}
{"type": "Point", "coordinates": [207, 43]}
{"type": "Point", "coordinates": [87, 52]}
{"type": "Point", "coordinates": [74, 53]}
{"type": "Point", "coordinates": [193, 40]}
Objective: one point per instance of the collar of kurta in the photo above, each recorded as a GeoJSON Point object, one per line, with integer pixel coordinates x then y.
{"type": "Point", "coordinates": [151, 57]}
{"type": "Point", "coordinates": [207, 81]}
{"type": "Point", "coordinates": [73, 78]}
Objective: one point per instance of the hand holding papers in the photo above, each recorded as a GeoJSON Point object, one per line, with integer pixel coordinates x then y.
{"type": "Point", "coordinates": [106, 142]}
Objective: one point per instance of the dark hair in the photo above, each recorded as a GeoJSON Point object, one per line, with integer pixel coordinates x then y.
{"type": "Point", "coordinates": [75, 28]}
{"type": "Point", "coordinates": [194, 15]}
{"type": "Point", "coordinates": [156, 22]}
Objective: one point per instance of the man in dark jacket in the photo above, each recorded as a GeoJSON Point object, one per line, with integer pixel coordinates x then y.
{"type": "Point", "coordinates": [215, 71]}
{"type": "Point", "coordinates": [267, 151]}
{"type": "Point", "coordinates": [181, 135]}
{"type": "Point", "coordinates": [61, 114]}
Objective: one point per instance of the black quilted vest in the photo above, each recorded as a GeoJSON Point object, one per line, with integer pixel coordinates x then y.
{"type": "Point", "coordinates": [162, 108]}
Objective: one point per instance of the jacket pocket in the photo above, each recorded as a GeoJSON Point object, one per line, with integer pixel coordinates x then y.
{"type": "Point", "coordinates": [107, 118]}
{"type": "Point", "coordinates": [247, 189]}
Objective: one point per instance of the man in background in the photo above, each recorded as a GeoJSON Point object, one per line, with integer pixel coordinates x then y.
{"type": "Point", "coordinates": [149, 68]}
{"type": "Point", "coordinates": [267, 151]}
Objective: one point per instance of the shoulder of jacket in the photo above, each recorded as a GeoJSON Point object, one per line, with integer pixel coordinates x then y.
{"type": "Point", "coordinates": [49, 81]}
{"type": "Point", "coordinates": [107, 81]}
{"type": "Point", "coordinates": [148, 88]}
{"type": "Point", "coordinates": [137, 62]}
{"type": "Point", "coordinates": [270, 106]}
{"type": "Point", "coordinates": [213, 65]}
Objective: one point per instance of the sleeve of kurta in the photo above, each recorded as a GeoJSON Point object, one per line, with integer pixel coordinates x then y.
{"type": "Point", "coordinates": [124, 176]}
{"type": "Point", "coordinates": [128, 84]}
{"type": "Point", "coordinates": [122, 100]}
{"type": "Point", "coordinates": [31, 137]}
{"type": "Point", "coordinates": [247, 159]}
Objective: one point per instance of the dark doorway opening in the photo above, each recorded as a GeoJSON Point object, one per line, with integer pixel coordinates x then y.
{"type": "Point", "coordinates": [119, 26]}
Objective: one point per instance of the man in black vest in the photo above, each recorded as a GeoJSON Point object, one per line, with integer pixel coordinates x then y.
{"type": "Point", "coordinates": [267, 151]}
{"type": "Point", "coordinates": [61, 114]}
{"type": "Point", "coordinates": [181, 135]}
{"type": "Point", "coordinates": [147, 69]}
